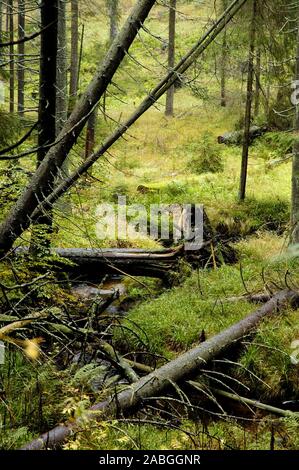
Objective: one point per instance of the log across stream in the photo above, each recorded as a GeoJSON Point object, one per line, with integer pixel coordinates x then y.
{"type": "Point", "coordinates": [93, 264]}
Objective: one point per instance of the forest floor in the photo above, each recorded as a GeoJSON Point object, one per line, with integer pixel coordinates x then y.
{"type": "Point", "coordinates": [160, 155]}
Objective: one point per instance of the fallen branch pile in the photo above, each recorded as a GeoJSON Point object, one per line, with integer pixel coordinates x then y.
{"type": "Point", "coordinates": [186, 365]}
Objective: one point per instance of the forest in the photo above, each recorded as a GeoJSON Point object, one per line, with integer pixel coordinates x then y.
{"type": "Point", "coordinates": [149, 225]}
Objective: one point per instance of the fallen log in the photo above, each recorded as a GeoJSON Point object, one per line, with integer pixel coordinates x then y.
{"type": "Point", "coordinates": [254, 298]}
{"type": "Point", "coordinates": [90, 263]}
{"type": "Point", "coordinates": [236, 138]}
{"type": "Point", "coordinates": [177, 370]}
{"type": "Point", "coordinates": [93, 263]}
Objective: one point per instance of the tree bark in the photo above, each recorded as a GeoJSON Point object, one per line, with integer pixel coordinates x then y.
{"type": "Point", "coordinates": [61, 79]}
{"type": "Point", "coordinates": [249, 98]}
{"type": "Point", "coordinates": [186, 365]}
{"type": "Point", "coordinates": [295, 168]}
{"type": "Point", "coordinates": [90, 134]}
{"type": "Point", "coordinates": [21, 52]}
{"type": "Point", "coordinates": [61, 76]}
{"type": "Point", "coordinates": [11, 57]}
{"type": "Point", "coordinates": [256, 404]}
{"type": "Point", "coordinates": [224, 54]}
{"type": "Point", "coordinates": [171, 56]}
{"type": "Point", "coordinates": [257, 83]}
{"type": "Point", "coordinates": [1, 24]}
{"type": "Point", "coordinates": [74, 53]}
{"type": "Point", "coordinates": [113, 6]}
{"type": "Point", "coordinates": [7, 17]}
{"type": "Point", "coordinates": [47, 107]}
{"type": "Point", "coordinates": [42, 182]}
{"type": "Point", "coordinates": [47, 86]}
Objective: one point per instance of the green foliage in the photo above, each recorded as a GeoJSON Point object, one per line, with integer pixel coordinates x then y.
{"type": "Point", "coordinates": [252, 215]}
{"type": "Point", "coordinates": [31, 389]}
{"type": "Point", "coordinates": [206, 157]}
{"type": "Point", "coordinates": [274, 145]}
{"type": "Point", "coordinates": [9, 128]}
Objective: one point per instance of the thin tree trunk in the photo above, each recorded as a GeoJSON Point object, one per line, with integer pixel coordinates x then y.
{"type": "Point", "coordinates": [113, 6]}
{"type": "Point", "coordinates": [74, 53]}
{"type": "Point", "coordinates": [295, 168]}
{"type": "Point", "coordinates": [11, 57]}
{"type": "Point", "coordinates": [171, 56]}
{"type": "Point", "coordinates": [113, 14]}
{"type": "Point", "coordinates": [257, 83]}
{"type": "Point", "coordinates": [7, 17]}
{"type": "Point", "coordinates": [255, 403]}
{"type": "Point", "coordinates": [224, 55]}
{"type": "Point", "coordinates": [154, 384]}
{"type": "Point", "coordinates": [21, 52]}
{"type": "Point", "coordinates": [249, 99]}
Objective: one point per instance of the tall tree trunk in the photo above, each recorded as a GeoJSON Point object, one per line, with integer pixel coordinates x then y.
{"type": "Point", "coordinates": [171, 56]}
{"type": "Point", "coordinates": [249, 99]}
{"type": "Point", "coordinates": [11, 57]}
{"type": "Point", "coordinates": [74, 53]}
{"type": "Point", "coordinates": [113, 6]}
{"type": "Point", "coordinates": [295, 169]}
{"type": "Point", "coordinates": [21, 53]}
{"type": "Point", "coordinates": [7, 17]}
{"type": "Point", "coordinates": [113, 14]}
{"type": "Point", "coordinates": [47, 105]}
{"type": "Point", "coordinates": [224, 56]}
{"type": "Point", "coordinates": [257, 83]}
{"type": "Point", "coordinates": [1, 21]}
{"type": "Point", "coordinates": [61, 77]}
{"type": "Point", "coordinates": [47, 86]}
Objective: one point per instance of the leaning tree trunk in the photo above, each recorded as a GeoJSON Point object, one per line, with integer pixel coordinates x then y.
{"type": "Point", "coordinates": [295, 169]}
{"type": "Point", "coordinates": [249, 98]}
{"type": "Point", "coordinates": [224, 55]}
{"type": "Point", "coordinates": [171, 56]}
{"type": "Point", "coordinates": [74, 53]}
{"type": "Point", "coordinates": [157, 382]}
{"type": "Point", "coordinates": [47, 107]}
{"type": "Point", "coordinates": [21, 53]}
{"type": "Point", "coordinates": [41, 184]}
{"type": "Point", "coordinates": [11, 57]}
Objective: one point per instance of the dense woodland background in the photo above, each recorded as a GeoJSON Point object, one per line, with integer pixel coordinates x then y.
{"type": "Point", "coordinates": [183, 102]}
